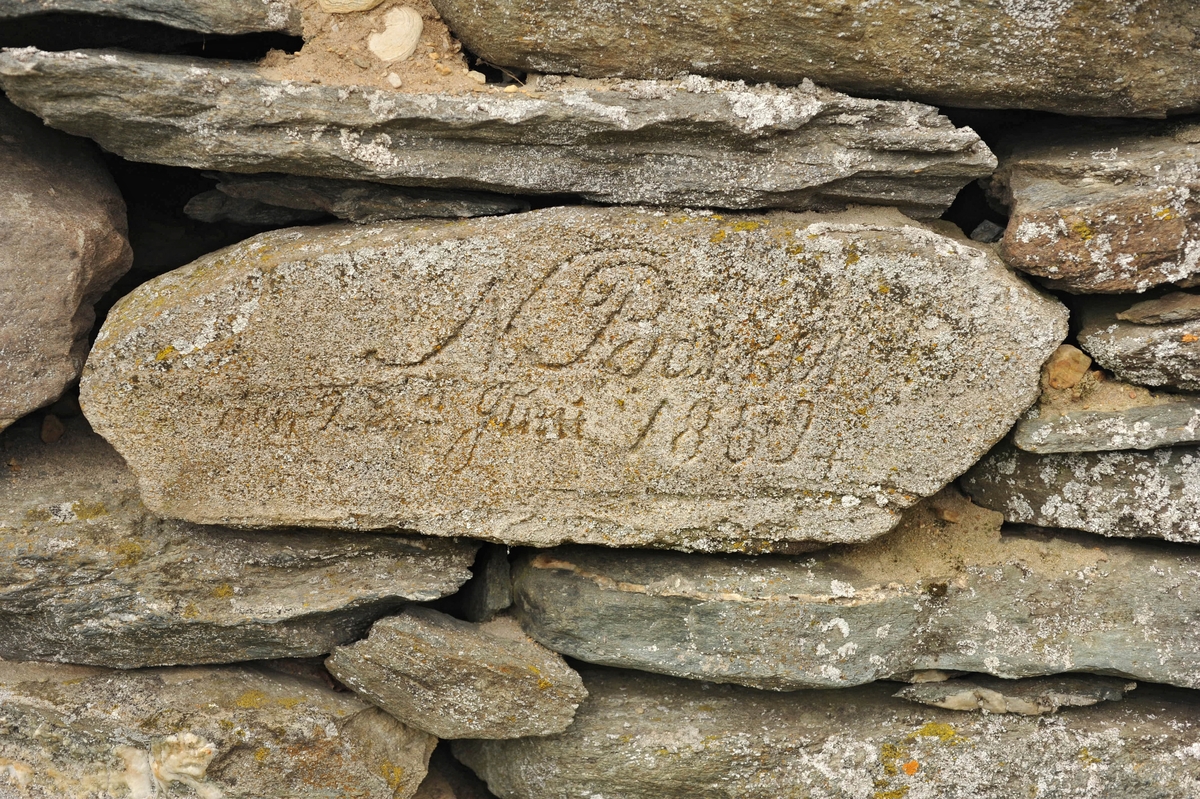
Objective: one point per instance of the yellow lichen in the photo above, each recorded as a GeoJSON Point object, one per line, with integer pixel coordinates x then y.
{"type": "Point", "coordinates": [86, 511]}
{"type": "Point", "coordinates": [130, 553]}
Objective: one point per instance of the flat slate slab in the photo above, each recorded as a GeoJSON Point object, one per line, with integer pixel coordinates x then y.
{"type": "Point", "coordinates": [1095, 59]}
{"type": "Point", "coordinates": [229, 732]}
{"type": "Point", "coordinates": [615, 376]}
{"type": "Point", "coordinates": [1166, 355]}
{"type": "Point", "coordinates": [948, 590]}
{"type": "Point", "coordinates": [1032, 697]}
{"type": "Point", "coordinates": [90, 576]}
{"type": "Point", "coordinates": [689, 142]}
{"type": "Point", "coordinates": [455, 679]}
{"type": "Point", "coordinates": [1132, 494]}
{"type": "Point", "coordinates": [62, 224]}
{"type": "Point", "coordinates": [205, 16]}
{"type": "Point", "coordinates": [1103, 208]}
{"type": "Point", "coordinates": [640, 736]}
{"type": "Point", "coordinates": [248, 198]}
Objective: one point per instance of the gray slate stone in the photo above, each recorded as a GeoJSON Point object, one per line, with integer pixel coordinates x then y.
{"type": "Point", "coordinates": [91, 576]}
{"type": "Point", "coordinates": [1109, 58]}
{"type": "Point", "coordinates": [455, 679]}
{"type": "Point", "coordinates": [1033, 697]}
{"type": "Point", "coordinates": [356, 200]}
{"type": "Point", "coordinates": [1146, 427]}
{"type": "Point", "coordinates": [947, 591]}
{"type": "Point", "coordinates": [1102, 208]}
{"type": "Point", "coordinates": [206, 16]}
{"type": "Point", "coordinates": [599, 375]}
{"type": "Point", "coordinates": [1177, 306]}
{"type": "Point", "coordinates": [1165, 355]}
{"type": "Point", "coordinates": [649, 737]}
{"type": "Point", "coordinates": [214, 206]}
{"type": "Point", "coordinates": [694, 142]}
{"type": "Point", "coordinates": [211, 733]}
{"type": "Point", "coordinates": [1134, 494]}
{"type": "Point", "coordinates": [62, 244]}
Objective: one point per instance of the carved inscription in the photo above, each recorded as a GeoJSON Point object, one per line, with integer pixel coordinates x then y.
{"type": "Point", "coordinates": [608, 375]}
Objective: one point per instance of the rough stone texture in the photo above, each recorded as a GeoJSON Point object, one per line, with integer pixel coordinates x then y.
{"type": "Point", "coordinates": [206, 16]}
{"type": "Point", "coordinates": [1087, 410]}
{"type": "Point", "coordinates": [62, 245]}
{"type": "Point", "coordinates": [1178, 306]}
{"type": "Point", "coordinates": [945, 591]}
{"type": "Point", "coordinates": [1103, 210]}
{"type": "Point", "coordinates": [490, 590]}
{"type": "Point", "coordinates": [90, 576]}
{"type": "Point", "coordinates": [211, 733]}
{"type": "Point", "coordinates": [613, 376]}
{"type": "Point", "coordinates": [692, 142]}
{"type": "Point", "coordinates": [1154, 355]}
{"type": "Point", "coordinates": [649, 737]}
{"type": "Point", "coordinates": [1172, 421]}
{"type": "Point", "coordinates": [455, 679]}
{"type": "Point", "coordinates": [1109, 58]}
{"type": "Point", "coordinates": [355, 200]}
{"type": "Point", "coordinates": [214, 206]}
{"type": "Point", "coordinates": [1032, 697]}
{"type": "Point", "coordinates": [1154, 494]}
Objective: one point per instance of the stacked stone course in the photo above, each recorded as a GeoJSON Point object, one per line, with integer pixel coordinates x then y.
{"type": "Point", "coordinates": [586, 400]}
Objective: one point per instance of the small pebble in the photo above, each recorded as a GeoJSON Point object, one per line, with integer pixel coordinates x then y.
{"type": "Point", "coordinates": [394, 80]}
{"type": "Point", "coordinates": [478, 77]}
{"type": "Point", "coordinates": [510, 88]}
{"type": "Point", "coordinates": [52, 429]}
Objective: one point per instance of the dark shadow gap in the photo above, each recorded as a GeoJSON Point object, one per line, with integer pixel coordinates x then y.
{"type": "Point", "coordinates": [64, 31]}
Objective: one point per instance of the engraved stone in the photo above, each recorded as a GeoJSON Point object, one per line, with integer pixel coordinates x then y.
{"type": "Point", "coordinates": [90, 576]}
{"type": "Point", "coordinates": [62, 245]}
{"type": "Point", "coordinates": [1152, 494]}
{"type": "Point", "coordinates": [614, 376]}
{"type": "Point", "coordinates": [225, 732]}
{"type": "Point", "coordinates": [653, 737]}
{"type": "Point", "coordinates": [694, 142]}
{"type": "Point", "coordinates": [455, 679]}
{"type": "Point", "coordinates": [961, 595]}
{"type": "Point", "coordinates": [1105, 58]}
{"type": "Point", "coordinates": [1103, 208]}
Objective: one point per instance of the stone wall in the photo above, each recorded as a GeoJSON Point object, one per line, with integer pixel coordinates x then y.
{"type": "Point", "coordinates": [582, 400]}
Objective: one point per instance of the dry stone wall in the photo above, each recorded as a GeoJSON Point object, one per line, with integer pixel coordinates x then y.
{"type": "Point", "coordinates": [577, 400]}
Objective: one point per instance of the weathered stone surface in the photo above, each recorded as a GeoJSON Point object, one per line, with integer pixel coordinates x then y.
{"type": "Point", "coordinates": [1153, 355]}
{"type": "Point", "coordinates": [212, 733]}
{"type": "Point", "coordinates": [354, 200]}
{"type": "Point", "coordinates": [1164, 424]}
{"type": "Point", "coordinates": [455, 679]}
{"type": "Point", "coordinates": [1103, 210]}
{"type": "Point", "coordinates": [1178, 306]}
{"type": "Point", "coordinates": [1032, 697]}
{"type": "Point", "coordinates": [490, 590]}
{"type": "Point", "coordinates": [945, 591]}
{"type": "Point", "coordinates": [1098, 59]}
{"type": "Point", "coordinates": [1082, 410]}
{"type": "Point", "coordinates": [214, 206]}
{"type": "Point", "coordinates": [88, 575]}
{"type": "Point", "coordinates": [206, 16]}
{"type": "Point", "coordinates": [692, 142]}
{"type": "Point", "coordinates": [614, 376]}
{"type": "Point", "coordinates": [1154, 494]}
{"type": "Point", "coordinates": [649, 737]}
{"type": "Point", "coordinates": [62, 245]}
